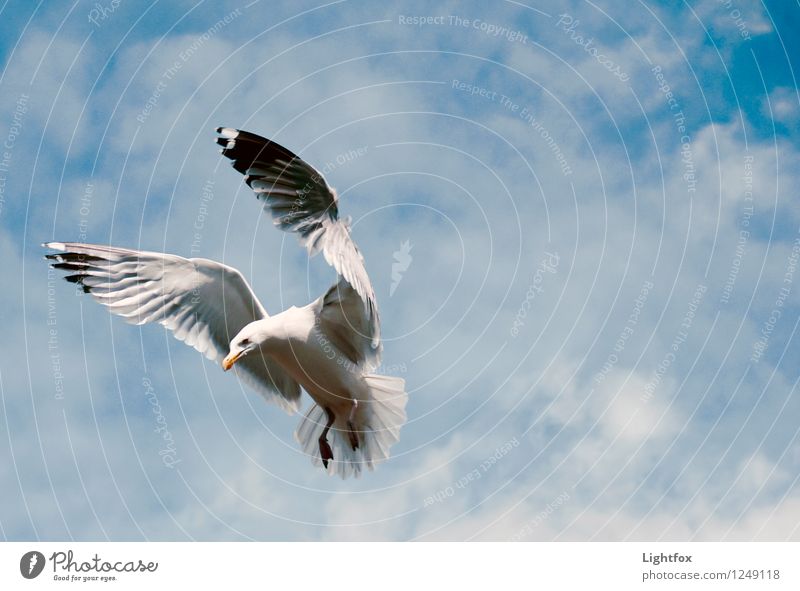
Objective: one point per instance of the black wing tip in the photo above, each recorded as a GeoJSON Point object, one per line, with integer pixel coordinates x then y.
{"type": "Point", "coordinates": [227, 132]}
{"type": "Point", "coordinates": [238, 143]}
{"type": "Point", "coordinates": [68, 266]}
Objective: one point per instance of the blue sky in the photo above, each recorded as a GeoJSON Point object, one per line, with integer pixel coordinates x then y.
{"type": "Point", "coordinates": [598, 324]}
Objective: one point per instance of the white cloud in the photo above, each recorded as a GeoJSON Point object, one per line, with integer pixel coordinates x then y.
{"type": "Point", "coordinates": [782, 105]}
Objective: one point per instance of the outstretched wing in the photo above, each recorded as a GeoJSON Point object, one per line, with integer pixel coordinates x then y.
{"type": "Point", "coordinates": [204, 303]}
{"type": "Point", "coordinates": [299, 200]}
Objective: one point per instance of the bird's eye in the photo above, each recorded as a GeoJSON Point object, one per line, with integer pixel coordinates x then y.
{"type": "Point", "coordinates": [245, 342]}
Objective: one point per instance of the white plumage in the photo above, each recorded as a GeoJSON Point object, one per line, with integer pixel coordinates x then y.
{"type": "Point", "coordinates": [329, 347]}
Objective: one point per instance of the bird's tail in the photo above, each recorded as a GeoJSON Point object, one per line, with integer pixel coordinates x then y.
{"type": "Point", "coordinates": [377, 426]}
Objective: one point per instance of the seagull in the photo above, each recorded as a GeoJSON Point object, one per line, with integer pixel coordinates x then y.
{"type": "Point", "coordinates": [330, 348]}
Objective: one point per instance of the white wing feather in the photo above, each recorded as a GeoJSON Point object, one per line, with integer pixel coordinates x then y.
{"type": "Point", "coordinates": [204, 303]}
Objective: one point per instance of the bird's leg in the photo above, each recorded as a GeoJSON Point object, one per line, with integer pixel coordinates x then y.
{"type": "Point", "coordinates": [324, 447]}
{"type": "Point", "coordinates": [351, 429]}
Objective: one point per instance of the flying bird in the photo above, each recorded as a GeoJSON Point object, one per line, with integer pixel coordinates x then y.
{"type": "Point", "coordinates": [330, 347]}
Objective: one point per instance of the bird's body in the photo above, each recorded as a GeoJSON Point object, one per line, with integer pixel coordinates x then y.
{"type": "Point", "coordinates": [343, 388]}
{"type": "Point", "coordinates": [306, 354]}
{"type": "Point", "coordinates": [329, 347]}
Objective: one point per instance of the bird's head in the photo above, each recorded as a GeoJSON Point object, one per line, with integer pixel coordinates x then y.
{"type": "Point", "coordinates": [250, 338]}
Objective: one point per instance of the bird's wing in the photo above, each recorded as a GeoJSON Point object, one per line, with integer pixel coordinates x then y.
{"type": "Point", "coordinates": [299, 200]}
{"type": "Point", "coordinates": [204, 303]}
{"type": "Point", "coordinates": [341, 319]}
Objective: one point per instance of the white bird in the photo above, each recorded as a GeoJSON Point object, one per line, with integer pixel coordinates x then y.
{"type": "Point", "coordinates": [330, 347]}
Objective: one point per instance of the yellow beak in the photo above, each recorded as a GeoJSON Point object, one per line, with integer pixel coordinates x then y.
{"type": "Point", "coordinates": [228, 362]}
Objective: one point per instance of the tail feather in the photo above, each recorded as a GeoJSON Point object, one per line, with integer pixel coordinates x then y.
{"type": "Point", "coordinates": [377, 424]}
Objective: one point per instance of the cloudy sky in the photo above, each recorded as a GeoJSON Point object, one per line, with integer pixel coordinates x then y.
{"type": "Point", "coordinates": [595, 313]}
